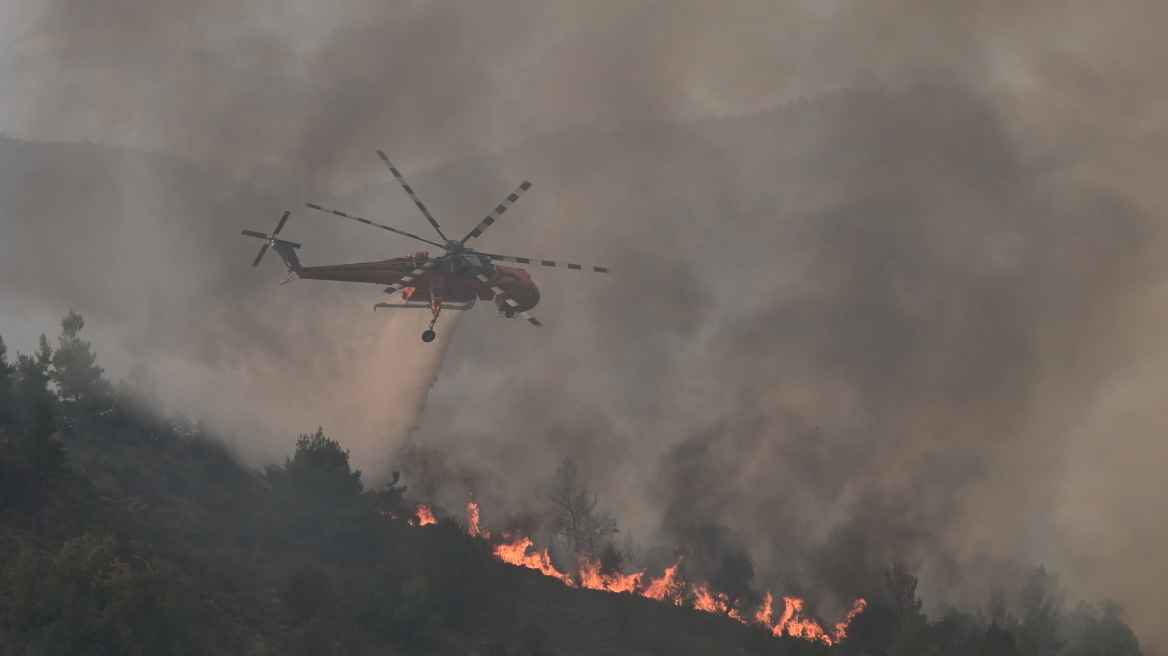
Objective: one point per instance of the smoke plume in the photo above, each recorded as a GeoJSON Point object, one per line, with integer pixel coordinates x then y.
{"type": "Point", "coordinates": [885, 277]}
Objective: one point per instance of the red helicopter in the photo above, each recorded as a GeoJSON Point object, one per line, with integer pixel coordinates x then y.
{"type": "Point", "coordinates": [453, 280]}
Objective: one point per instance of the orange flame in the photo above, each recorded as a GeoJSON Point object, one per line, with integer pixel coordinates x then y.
{"type": "Point", "coordinates": [841, 629]}
{"type": "Point", "coordinates": [516, 554]}
{"type": "Point", "coordinates": [425, 516]}
{"type": "Point", "coordinates": [711, 602]}
{"type": "Point", "coordinates": [472, 522]}
{"type": "Point", "coordinates": [794, 624]}
{"type": "Point", "coordinates": [591, 577]}
{"type": "Point", "coordinates": [666, 586]}
{"type": "Point", "coordinates": [672, 586]}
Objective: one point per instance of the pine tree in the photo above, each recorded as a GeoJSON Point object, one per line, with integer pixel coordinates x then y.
{"type": "Point", "coordinates": [320, 471]}
{"type": "Point", "coordinates": [31, 384]}
{"type": "Point", "coordinates": [9, 409]}
{"type": "Point", "coordinates": [1040, 615]}
{"type": "Point", "coordinates": [79, 381]}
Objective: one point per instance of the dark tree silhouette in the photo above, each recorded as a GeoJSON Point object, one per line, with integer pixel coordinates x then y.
{"type": "Point", "coordinates": [9, 407]}
{"type": "Point", "coordinates": [1093, 631]}
{"type": "Point", "coordinates": [1040, 615]}
{"type": "Point", "coordinates": [79, 380]}
{"type": "Point", "coordinates": [574, 516]}
{"type": "Point", "coordinates": [319, 471]}
{"type": "Point", "coordinates": [734, 578]}
{"type": "Point", "coordinates": [31, 384]}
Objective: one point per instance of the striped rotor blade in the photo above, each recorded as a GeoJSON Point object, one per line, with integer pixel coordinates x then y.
{"type": "Point", "coordinates": [546, 263]}
{"type": "Point", "coordinates": [509, 301]}
{"type": "Point", "coordinates": [282, 222]}
{"type": "Point", "coordinates": [409, 277]}
{"type": "Point", "coordinates": [253, 233]}
{"type": "Point", "coordinates": [413, 196]}
{"type": "Point", "coordinates": [368, 222]}
{"type": "Point", "coordinates": [494, 216]}
{"type": "Point", "coordinates": [260, 256]}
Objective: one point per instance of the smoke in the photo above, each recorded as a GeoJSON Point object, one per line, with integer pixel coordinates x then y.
{"type": "Point", "coordinates": [884, 283]}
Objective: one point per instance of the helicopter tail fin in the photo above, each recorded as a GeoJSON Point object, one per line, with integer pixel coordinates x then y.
{"type": "Point", "coordinates": [287, 252]}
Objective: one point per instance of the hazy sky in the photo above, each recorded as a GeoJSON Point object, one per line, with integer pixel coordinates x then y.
{"type": "Point", "coordinates": [886, 277]}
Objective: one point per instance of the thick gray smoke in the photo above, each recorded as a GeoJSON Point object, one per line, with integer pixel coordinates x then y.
{"type": "Point", "coordinates": [886, 277]}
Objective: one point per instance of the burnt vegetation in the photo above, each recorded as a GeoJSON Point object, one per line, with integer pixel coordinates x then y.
{"type": "Point", "coordinates": [126, 532]}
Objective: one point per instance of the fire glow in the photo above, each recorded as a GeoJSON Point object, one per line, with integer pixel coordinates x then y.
{"type": "Point", "coordinates": [425, 516]}
{"type": "Point", "coordinates": [671, 587]}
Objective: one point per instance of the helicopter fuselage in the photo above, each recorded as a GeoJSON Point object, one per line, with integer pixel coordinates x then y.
{"type": "Point", "coordinates": [455, 281]}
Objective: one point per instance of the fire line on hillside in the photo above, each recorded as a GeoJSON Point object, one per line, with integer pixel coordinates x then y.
{"type": "Point", "coordinates": [672, 587]}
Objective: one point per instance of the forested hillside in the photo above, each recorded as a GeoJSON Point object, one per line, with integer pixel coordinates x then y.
{"type": "Point", "coordinates": [127, 532]}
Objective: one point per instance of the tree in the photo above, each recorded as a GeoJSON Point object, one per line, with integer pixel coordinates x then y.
{"type": "Point", "coordinates": [79, 381]}
{"type": "Point", "coordinates": [1094, 633]}
{"type": "Point", "coordinates": [570, 506]}
{"type": "Point", "coordinates": [902, 587]}
{"type": "Point", "coordinates": [997, 642]}
{"type": "Point", "coordinates": [86, 600]}
{"type": "Point", "coordinates": [631, 553]}
{"type": "Point", "coordinates": [1040, 615]}
{"type": "Point", "coordinates": [574, 516]}
{"type": "Point", "coordinates": [319, 471]}
{"type": "Point", "coordinates": [32, 378]}
{"type": "Point", "coordinates": [9, 408]}
{"type": "Point", "coordinates": [734, 577]}
{"type": "Point", "coordinates": [610, 560]}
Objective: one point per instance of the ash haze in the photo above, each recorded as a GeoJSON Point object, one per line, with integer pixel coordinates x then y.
{"type": "Point", "coordinates": [888, 276]}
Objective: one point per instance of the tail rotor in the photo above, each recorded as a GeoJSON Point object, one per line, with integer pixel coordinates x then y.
{"type": "Point", "coordinates": [271, 239]}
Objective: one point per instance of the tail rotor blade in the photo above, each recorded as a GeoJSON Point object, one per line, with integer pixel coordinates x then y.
{"type": "Point", "coordinates": [283, 220]}
{"type": "Point", "coordinates": [413, 196]}
{"type": "Point", "coordinates": [261, 255]}
{"type": "Point", "coordinates": [494, 216]}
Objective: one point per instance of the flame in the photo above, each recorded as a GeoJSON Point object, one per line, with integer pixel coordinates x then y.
{"type": "Point", "coordinates": [794, 624]}
{"type": "Point", "coordinates": [711, 602]}
{"type": "Point", "coordinates": [425, 516]}
{"type": "Point", "coordinates": [667, 586]}
{"type": "Point", "coordinates": [472, 521]}
{"type": "Point", "coordinates": [516, 554]}
{"type": "Point", "coordinates": [671, 587]}
{"type": "Point", "coordinates": [590, 576]}
{"type": "Point", "coordinates": [841, 629]}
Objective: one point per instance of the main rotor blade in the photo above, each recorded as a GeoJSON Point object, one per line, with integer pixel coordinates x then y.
{"type": "Point", "coordinates": [283, 220]}
{"type": "Point", "coordinates": [546, 263]}
{"type": "Point", "coordinates": [493, 216]}
{"type": "Point", "coordinates": [253, 233]}
{"type": "Point", "coordinates": [409, 277]}
{"type": "Point", "coordinates": [507, 299]}
{"type": "Point", "coordinates": [413, 196]}
{"type": "Point", "coordinates": [378, 225]}
{"type": "Point", "coordinates": [260, 256]}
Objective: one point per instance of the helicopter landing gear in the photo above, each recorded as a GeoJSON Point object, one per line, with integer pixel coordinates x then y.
{"type": "Point", "coordinates": [428, 336]}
